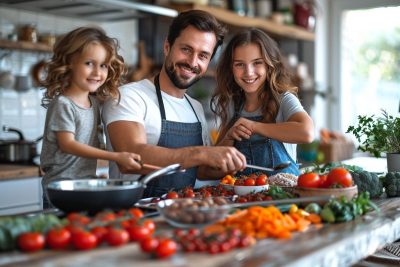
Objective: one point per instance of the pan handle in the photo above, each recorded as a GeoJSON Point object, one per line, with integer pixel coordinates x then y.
{"type": "Point", "coordinates": [8, 129]}
{"type": "Point", "coordinates": [171, 169]}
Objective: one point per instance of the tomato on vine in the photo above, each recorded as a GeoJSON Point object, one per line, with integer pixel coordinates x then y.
{"type": "Point", "coordinates": [339, 176]}
{"type": "Point", "coordinates": [58, 238]}
{"type": "Point", "coordinates": [84, 240]}
{"type": "Point", "coordinates": [117, 237]}
{"type": "Point", "coordinates": [166, 248]}
{"type": "Point", "coordinates": [31, 241]}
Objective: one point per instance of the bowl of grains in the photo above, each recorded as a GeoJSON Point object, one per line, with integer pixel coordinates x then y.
{"type": "Point", "coordinates": [283, 180]}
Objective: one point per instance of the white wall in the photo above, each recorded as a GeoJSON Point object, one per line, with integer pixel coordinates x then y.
{"type": "Point", "coordinates": [22, 109]}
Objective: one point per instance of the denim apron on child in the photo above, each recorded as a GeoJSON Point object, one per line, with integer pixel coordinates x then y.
{"type": "Point", "coordinates": [174, 135]}
{"type": "Point", "coordinates": [263, 151]}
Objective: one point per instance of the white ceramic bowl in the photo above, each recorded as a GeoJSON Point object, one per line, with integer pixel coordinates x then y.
{"type": "Point", "coordinates": [242, 190]}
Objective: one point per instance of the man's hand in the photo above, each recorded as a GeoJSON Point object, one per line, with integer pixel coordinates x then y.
{"type": "Point", "coordinates": [225, 159]}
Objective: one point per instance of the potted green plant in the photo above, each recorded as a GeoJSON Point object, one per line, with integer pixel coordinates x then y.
{"type": "Point", "coordinates": [378, 135]}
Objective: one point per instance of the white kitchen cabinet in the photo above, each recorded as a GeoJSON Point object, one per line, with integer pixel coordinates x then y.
{"type": "Point", "coordinates": [20, 195]}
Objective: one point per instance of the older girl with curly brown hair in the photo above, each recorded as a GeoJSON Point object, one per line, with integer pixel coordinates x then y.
{"type": "Point", "coordinates": [84, 69]}
{"type": "Point", "coordinates": [257, 103]}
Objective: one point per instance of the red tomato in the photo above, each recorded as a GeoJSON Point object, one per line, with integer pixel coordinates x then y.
{"type": "Point", "coordinates": [100, 232]}
{"type": "Point", "coordinates": [252, 176]}
{"type": "Point", "coordinates": [172, 195]}
{"type": "Point", "coordinates": [106, 216]}
{"type": "Point", "coordinates": [249, 182]}
{"type": "Point", "coordinates": [138, 232]}
{"type": "Point", "coordinates": [58, 238]}
{"type": "Point", "coordinates": [310, 179]}
{"type": "Point", "coordinates": [150, 225]}
{"type": "Point", "coordinates": [31, 241]}
{"type": "Point", "coordinates": [72, 228]}
{"type": "Point", "coordinates": [239, 182]}
{"type": "Point", "coordinates": [323, 180]}
{"type": "Point", "coordinates": [149, 244]}
{"type": "Point", "coordinates": [136, 212]}
{"type": "Point", "coordinates": [261, 179]}
{"type": "Point", "coordinates": [339, 176]}
{"type": "Point", "coordinates": [84, 240]}
{"type": "Point", "coordinates": [166, 248]}
{"type": "Point", "coordinates": [117, 237]}
{"type": "Point", "coordinates": [189, 194]}
{"type": "Point", "coordinates": [78, 218]}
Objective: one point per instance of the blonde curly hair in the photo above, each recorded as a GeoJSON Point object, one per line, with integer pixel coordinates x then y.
{"type": "Point", "coordinates": [73, 43]}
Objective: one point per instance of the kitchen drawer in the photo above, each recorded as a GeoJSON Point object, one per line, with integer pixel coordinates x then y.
{"type": "Point", "coordinates": [20, 195]}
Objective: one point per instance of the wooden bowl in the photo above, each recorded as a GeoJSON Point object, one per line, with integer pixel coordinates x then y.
{"type": "Point", "coordinates": [347, 192]}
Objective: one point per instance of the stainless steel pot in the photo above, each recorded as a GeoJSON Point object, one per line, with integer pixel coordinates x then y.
{"type": "Point", "coordinates": [97, 194]}
{"type": "Point", "coordinates": [18, 150]}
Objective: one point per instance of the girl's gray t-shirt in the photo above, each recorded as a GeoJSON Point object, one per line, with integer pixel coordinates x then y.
{"type": "Point", "coordinates": [85, 123]}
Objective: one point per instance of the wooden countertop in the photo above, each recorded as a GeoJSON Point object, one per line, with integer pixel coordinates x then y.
{"type": "Point", "coordinates": [17, 171]}
{"type": "Point", "coordinates": [341, 244]}
{"type": "Point", "coordinates": [13, 171]}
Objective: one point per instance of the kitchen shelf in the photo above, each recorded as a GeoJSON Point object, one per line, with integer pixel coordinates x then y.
{"type": "Point", "coordinates": [233, 19]}
{"type": "Point", "coordinates": [28, 46]}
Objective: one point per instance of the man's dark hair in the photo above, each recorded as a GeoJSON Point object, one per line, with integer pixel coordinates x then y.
{"type": "Point", "coordinates": [199, 19]}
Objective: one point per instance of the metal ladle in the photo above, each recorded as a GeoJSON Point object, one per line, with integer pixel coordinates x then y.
{"type": "Point", "coordinates": [278, 167]}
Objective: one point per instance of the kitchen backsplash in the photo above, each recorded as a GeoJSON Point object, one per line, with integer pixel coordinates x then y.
{"type": "Point", "coordinates": [22, 109]}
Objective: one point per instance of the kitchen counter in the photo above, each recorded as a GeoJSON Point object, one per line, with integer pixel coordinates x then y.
{"type": "Point", "coordinates": [13, 171]}
{"type": "Point", "coordinates": [332, 245]}
{"type": "Point", "coordinates": [18, 171]}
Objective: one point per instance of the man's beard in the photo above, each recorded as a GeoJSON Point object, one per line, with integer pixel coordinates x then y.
{"type": "Point", "coordinates": [175, 79]}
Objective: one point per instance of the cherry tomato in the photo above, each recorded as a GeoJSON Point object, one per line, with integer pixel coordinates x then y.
{"type": "Point", "coordinates": [323, 180]}
{"type": "Point", "coordinates": [189, 194]}
{"type": "Point", "coordinates": [72, 228]}
{"type": "Point", "coordinates": [310, 179]}
{"type": "Point", "coordinates": [166, 248]}
{"type": "Point", "coordinates": [84, 240]}
{"type": "Point", "coordinates": [172, 195]}
{"type": "Point", "coordinates": [150, 225]}
{"type": "Point", "coordinates": [100, 232]}
{"type": "Point", "coordinates": [242, 200]}
{"type": "Point", "coordinates": [58, 238]}
{"type": "Point", "coordinates": [149, 244]}
{"type": "Point", "coordinates": [206, 194]}
{"type": "Point", "coordinates": [136, 212]}
{"type": "Point", "coordinates": [252, 176]}
{"type": "Point", "coordinates": [239, 182]}
{"type": "Point", "coordinates": [117, 237]}
{"type": "Point", "coordinates": [138, 232]}
{"type": "Point", "coordinates": [106, 216]}
{"type": "Point", "coordinates": [77, 218]}
{"type": "Point", "coordinates": [261, 179]}
{"type": "Point", "coordinates": [249, 182]}
{"type": "Point", "coordinates": [339, 176]}
{"type": "Point", "coordinates": [31, 241]}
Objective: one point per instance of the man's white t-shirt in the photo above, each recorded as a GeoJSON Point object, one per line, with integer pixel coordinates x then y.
{"type": "Point", "coordinates": [138, 103]}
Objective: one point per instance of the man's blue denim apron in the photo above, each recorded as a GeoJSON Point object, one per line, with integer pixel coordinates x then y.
{"type": "Point", "coordinates": [263, 151]}
{"type": "Point", "coordinates": [174, 135]}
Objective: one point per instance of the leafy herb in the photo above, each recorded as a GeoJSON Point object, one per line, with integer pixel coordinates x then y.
{"type": "Point", "coordinates": [377, 135]}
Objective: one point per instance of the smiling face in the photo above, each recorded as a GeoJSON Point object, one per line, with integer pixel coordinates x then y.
{"type": "Point", "coordinates": [89, 69]}
{"type": "Point", "coordinates": [249, 68]}
{"type": "Point", "coordinates": [187, 59]}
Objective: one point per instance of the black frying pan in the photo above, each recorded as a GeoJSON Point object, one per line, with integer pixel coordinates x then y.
{"type": "Point", "coordinates": [94, 195]}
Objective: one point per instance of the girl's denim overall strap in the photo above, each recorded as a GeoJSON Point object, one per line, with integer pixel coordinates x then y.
{"type": "Point", "coordinates": [263, 151]}
{"type": "Point", "coordinates": [175, 135]}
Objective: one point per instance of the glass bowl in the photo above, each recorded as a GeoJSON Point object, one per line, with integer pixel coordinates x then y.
{"type": "Point", "coordinates": [242, 190]}
{"type": "Point", "coordinates": [193, 212]}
